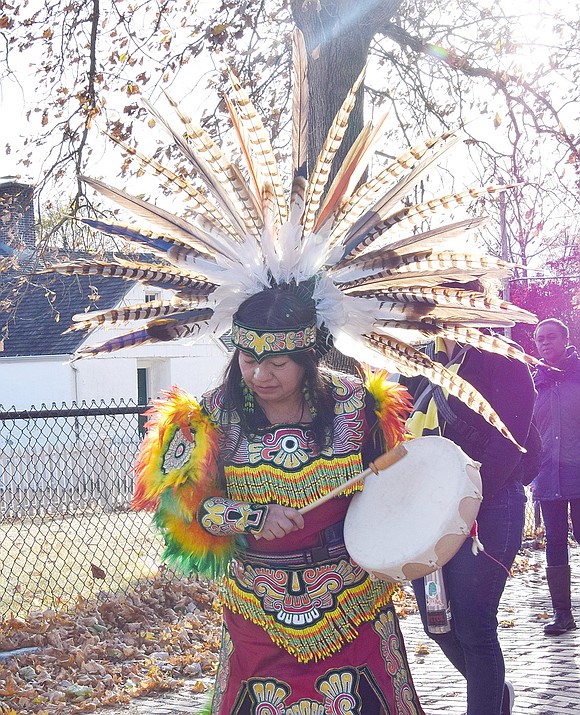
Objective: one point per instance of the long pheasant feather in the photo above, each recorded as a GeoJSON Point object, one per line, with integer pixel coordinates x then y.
{"type": "Point", "coordinates": [489, 343]}
{"type": "Point", "coordinates": [155, 332]}
{"type": "Point", "coordinates": [425, 210]}
{"type": "Point", "coordinates": [219, 185]}
{"type": "Point", "coordinates": [449, 266]}
{"type": "Point", "coordinates": [299, 104]}
{"type": "Point", "coordinates": [137, 311]}
{"type": "Point", "coordinates": [461, 334]}
{"type": "Point", "coordinates": [376, 186]}
{"type": "Point", "coordinates": [351, 171]}
{"type": "Point", "coordinates": [405, 308]}
{"type": "Point", "coordinates": [256, 179]}
{"type": "Point", "coordinates": [375, 227]}
{"type": "Point", "coordinates": [176, 183]}
{"type": "Point", "coordinates": [450, 296]}
{"type": "Point", "coordinates": [222, 170]}
{"type": "Point", "coordinates": [164, 221]}
{"type": "Point", "coordinates": [437, 238]}
{"type": "Point", "coordinates": [154, 242]}
{"type": "Point", "coordinates": [260, 146]}
{"type": "Point", "coordinates": [396, 194]}
{"type": "Point", "coordinates": [270, 243]}
{"type": "Point", "coordinates": [131, 271]}
{"type": "Point", "coordinates": [179, 325]}
{"type": "Point", "coordinates": [319, 178]}
{"type": "Point", "coordinates": [127, 340]}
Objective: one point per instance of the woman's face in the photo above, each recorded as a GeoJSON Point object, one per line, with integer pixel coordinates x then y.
{"type": "Point", "coordinates": [551, 343]}
{"type": "Point", "coordinates": [275, 379]}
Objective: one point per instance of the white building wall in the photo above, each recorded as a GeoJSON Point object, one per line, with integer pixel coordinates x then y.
{"type": "Point", "coordinates": [27, 381]}
{"type": "Point", "coordinates": [33, 381]}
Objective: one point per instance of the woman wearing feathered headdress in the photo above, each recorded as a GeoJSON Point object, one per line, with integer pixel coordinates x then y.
{"type": "Point", "coordinates": [304, 626]}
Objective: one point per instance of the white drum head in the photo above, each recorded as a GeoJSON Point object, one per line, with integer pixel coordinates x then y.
{"type": "Point", "coordinates": [413, 517]}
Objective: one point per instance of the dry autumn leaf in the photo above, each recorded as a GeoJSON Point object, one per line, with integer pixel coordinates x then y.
{"type": "Point", "coordinates": [97, 572]}
{"type": "Point", "coordinates": [108, 653]}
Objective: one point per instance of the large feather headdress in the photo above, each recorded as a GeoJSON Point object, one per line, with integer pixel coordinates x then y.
{"type": "Point", "coordinates": [375, 271]}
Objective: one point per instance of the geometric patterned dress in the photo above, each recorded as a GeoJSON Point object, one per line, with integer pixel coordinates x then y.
{"type": "Point", "coordinates": [306, 631]}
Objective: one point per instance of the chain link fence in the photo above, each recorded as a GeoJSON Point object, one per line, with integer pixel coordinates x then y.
{"type": "Point", "coordinates": [66, 529]}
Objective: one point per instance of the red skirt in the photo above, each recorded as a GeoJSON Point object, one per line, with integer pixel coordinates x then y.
{"type": "Point", "coordinates": [369, 673]}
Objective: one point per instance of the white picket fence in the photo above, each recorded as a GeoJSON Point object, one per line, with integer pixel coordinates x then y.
{"type": "Point", "coordinates": [65, 477]}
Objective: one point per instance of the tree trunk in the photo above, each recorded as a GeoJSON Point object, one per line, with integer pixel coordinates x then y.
{"type": "Point", "coordinates": [337, 34]}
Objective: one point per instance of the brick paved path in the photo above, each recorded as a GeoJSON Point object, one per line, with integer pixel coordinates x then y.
{"type": "Point", "coordinates": [545, 671]}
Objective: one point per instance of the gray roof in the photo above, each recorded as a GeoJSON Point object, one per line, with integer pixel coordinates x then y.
{"type": "Point", "coordinates": [34, 315]}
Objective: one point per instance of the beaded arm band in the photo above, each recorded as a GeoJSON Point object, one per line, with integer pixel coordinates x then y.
{"type": "Point", "coordinates": [224, 517]}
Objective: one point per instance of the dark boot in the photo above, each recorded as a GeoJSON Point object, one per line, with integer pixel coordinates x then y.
{"type": "Point", "coordinates": [507, 704]}
{"type": "Point", "coordinates": [559, 585]}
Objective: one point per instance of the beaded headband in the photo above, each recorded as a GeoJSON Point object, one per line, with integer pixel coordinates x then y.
{"type": "Point", "coordinates": [264, 343]}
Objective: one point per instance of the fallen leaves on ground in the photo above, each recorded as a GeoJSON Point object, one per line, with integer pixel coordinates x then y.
{"type": "Point", "coordinates": [111, 652]}
{"type": "Point", "coordinates": [524, 564]}
{"type": "Point", "coordinates": [404, 601]}
{"type": "Point", "coordinates": [125, 647]}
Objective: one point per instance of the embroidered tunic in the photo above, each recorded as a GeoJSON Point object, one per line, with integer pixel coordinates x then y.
{"type": "Point", "coordinates": [306, 631]}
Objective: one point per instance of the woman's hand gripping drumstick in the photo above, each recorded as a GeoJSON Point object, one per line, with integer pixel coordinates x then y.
{"type": "Point", "coordinates": [282, 520]}
{"type": "Point", "coordinates": [385, 461]}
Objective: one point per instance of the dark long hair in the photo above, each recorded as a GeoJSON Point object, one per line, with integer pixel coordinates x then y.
{"type": "Point", "coordinates": [281, 308]}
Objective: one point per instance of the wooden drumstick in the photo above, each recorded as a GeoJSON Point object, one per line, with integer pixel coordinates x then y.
{"type": "Point", "coordinates": [385, 461]}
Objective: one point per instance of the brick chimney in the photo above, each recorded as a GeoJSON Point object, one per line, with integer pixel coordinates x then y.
{"type": "Point", "coordinates": [16, 216]}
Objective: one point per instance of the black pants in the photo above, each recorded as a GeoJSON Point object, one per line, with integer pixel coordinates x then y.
{"type": "Point", "coordinates": [555, 515]}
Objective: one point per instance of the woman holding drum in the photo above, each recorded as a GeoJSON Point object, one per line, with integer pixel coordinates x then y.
{"type": "Point", "coordinates": [305, 628]}
{"type": "Point", "coordinates": [232, 480]}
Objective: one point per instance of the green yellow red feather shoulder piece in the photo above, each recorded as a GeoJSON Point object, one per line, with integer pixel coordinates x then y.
{"type": "Point", "coordinates": [180, 446]}
{"type": "Point", "coordinates": [176, 470]}
{"type": "Point", "coordinates": [392, 405]}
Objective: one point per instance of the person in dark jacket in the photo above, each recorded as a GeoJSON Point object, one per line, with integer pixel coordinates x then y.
{"type": "Point", "coordinates": [474, 584]}
{"type": "Point", "coordinates": [557, 486]}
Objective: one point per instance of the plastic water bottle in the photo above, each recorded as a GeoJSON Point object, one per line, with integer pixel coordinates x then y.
{"type": "Point", "coordinates": [438, 611]}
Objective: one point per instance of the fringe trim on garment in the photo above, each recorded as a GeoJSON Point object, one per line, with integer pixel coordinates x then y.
{"type": "Point", "coordinates": [268, 484]}
{"type": "Point", "coordinates": [361, 602]}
